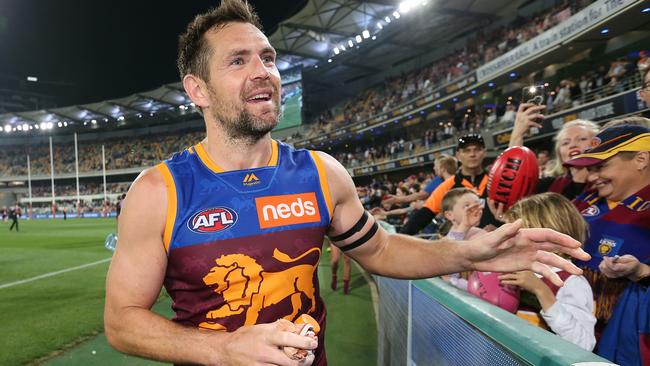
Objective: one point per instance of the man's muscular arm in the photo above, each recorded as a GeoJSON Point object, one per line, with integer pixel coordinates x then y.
{"type": "Point", "coordinates": [402, 256]}
{"type": "Point", "coordinates": [135, 278]}
{"type": "Point", "coordinates": [133, 284]}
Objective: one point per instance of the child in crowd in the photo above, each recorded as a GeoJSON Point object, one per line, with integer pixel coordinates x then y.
{"type": "Point", "coordinates": [568, 310]}
{"type": "Point", "coordinates": [462, 209]}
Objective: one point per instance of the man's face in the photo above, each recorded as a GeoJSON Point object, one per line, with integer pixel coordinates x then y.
{"type": "Point", "coordinates": [436, 168]}
{"type": "Point", "coordinates": [471, 156]}
{"type": "Point", "coordinates": [612, 177]}
{"type": "Point", "coordinates": [542, 158]}
{"type": "Point", "coordinates": [244, 87]}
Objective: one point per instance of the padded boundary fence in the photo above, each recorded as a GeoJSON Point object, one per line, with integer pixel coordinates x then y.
{"type": "Point", "coordinates": [429, 322]}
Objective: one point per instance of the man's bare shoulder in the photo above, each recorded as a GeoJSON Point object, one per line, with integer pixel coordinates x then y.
{"type": "Point", "coordinates": [148, 189]}
{"type": "Point", "coordinates": [332, 166]}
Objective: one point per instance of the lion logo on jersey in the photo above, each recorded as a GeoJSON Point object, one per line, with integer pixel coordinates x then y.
{"type": "Point", "coordinates": [247, 287]}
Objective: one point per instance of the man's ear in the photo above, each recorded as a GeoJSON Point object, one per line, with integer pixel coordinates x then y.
{"type": "Point", "coordinates": [197, 90]}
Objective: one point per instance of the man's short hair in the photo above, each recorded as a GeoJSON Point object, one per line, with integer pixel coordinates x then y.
{"type": "Point", "coordinates": [447, 163]}
{"type": "Point", "coordinates": [193, 50]}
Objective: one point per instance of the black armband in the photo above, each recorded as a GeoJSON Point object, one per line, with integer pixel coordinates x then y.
{"type": "Point", "coordinates": [363, 239]}
{"type": "Point", "coordinates": [353, 230]}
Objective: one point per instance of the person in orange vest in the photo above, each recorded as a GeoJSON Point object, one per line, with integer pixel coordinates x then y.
{"type": "Point", "coordinates": [470, 151]}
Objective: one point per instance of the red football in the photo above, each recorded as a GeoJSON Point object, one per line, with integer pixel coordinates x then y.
{"type": "Point", "coordinates": [513, 176]}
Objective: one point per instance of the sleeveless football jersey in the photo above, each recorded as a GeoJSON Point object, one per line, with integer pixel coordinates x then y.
{"type": "Point", "coordinates": [243, 246]}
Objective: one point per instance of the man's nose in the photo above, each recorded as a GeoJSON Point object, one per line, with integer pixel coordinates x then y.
{"type": "Point", "coordinates": [260, 71]}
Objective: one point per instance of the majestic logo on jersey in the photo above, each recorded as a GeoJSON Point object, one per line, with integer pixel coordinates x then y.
{"type": "Point", "coordinates": [248, 288]}
{"type": "Point", "coordinates": [591, 211]}
{"type": "Point", "coordinates": [251, 180]}
{"type": "Point", "coordinates": [212, 220]}
{"type": "Point", "coordinates": [288, 209]}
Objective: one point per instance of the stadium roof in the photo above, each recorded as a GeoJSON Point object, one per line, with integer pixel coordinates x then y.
{"type": "Point", "coordinates": [395, 32]}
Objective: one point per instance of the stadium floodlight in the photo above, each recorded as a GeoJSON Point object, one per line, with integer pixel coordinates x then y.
{"type": "Point", "coordinates": [329, 60]}
{"type": "Point", "coordinates": [379, 26]}
{"type": "Point", "coordinates": [60, 124]}
{"type": "Point", "coordinates": [7, 128]}
{"type": "Point", "coordinates": [365, 34]}
{"type": "Point", "coordinates": [396, 14]}
{"type": "Point", "coordinates": [645, 10]}
{"type": "Point", "coordinates": [65, 124]}
{"type": "Point", "coordinates": [43, 125]}
{"type": "Point", "coordinates": [513, 74]}
{"type": "Point", "coordinates": [20, 127]}
{"type": "Point", "coordinates": [342, 47]}
{"type": "Point", "coordinates": [33, 79]}
{"type": "Point", "coordinates": [93, 121]}
{"type": "Point", "coordinates": [192, 104]}
{"type": "Point", "coordinates": [387, 19]}
{"type": "Point", "coordinates": [604, 31]}
{"type": "Point", "coordinates": [407, 5]}
{"type": "Point", "coordinates": [358, 38]}
{"type": "Point", "coordinates": [491, 84]}
{"type": "Point", "coordinates": [50, 125]}
{"type": "Point", "coordinates": [350, 43]}
{"type": "Point", "coordinates": [336, 50]}
{"type": "Point", "coordinates": [121, 118]}
{"type": "Point", "coordinates": [36, 127]}
{"type": "Point", "coordinates": [373, 38]}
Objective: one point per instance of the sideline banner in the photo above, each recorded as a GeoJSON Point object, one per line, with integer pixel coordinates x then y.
{"type": "Point", "coordinates": [579, 22]}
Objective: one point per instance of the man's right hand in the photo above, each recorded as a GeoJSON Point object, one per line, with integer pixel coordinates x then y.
{"type": "Point", "coordinates": [262, 344]}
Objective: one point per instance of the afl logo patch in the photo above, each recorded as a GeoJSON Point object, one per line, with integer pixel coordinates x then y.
{"type": "Point", "coordinates": [212, 220]}
{"type": "Point", "coordinates": [591, 211]}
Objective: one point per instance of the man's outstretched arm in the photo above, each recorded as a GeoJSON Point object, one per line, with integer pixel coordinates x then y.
{"type": "Point", "coordinates": [133, 284]}
{"type": "Point", "coordinates": [506, 249]}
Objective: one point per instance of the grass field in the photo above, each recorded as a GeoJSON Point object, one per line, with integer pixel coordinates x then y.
{"type": "Point", "coordinates": [52, 277]}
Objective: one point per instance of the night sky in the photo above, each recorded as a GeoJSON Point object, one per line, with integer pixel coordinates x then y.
{"type": "Point", "coordinates": [88, 51]}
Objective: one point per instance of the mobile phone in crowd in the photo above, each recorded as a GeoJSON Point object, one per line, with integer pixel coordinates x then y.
{"type": "Point", "coordinates": [533, 94]}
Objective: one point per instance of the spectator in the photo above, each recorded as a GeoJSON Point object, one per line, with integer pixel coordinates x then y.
{"type": "Point", "coordinates": [470, 152]}
{"type": "Point", "coordinates": [567, 310]}
{"type": "Point", "coordinates": [572, 139]}
{"type": "Point", "coordinates": [619, 171]}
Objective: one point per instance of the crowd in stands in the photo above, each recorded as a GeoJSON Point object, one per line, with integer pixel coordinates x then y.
{"type": "Point", "coordinates": [622, 74]}
{"type": "Point", "coordinates": [143, 151]}
{"type": "Point", "coordinates": [85, 189]}
{"type": "Point", "coordinates": [482, 48]}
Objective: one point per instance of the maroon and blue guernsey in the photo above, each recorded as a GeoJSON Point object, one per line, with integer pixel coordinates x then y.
{"type": "Point", "coordinates": [243, 246]}
{"type": "Point", "coordinates": [616, 228]}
